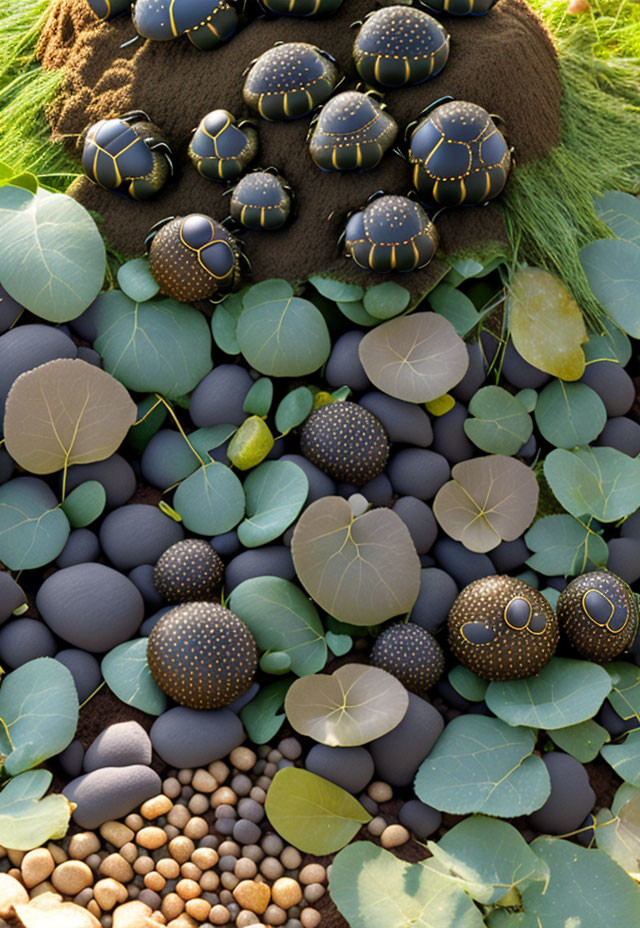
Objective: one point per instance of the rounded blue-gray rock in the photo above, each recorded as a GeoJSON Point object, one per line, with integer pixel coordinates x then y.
{"type": "Point", "coordinates": [420, 521]}
{"type": "Point", "coordinates": [193, 738]}
{"type": "Point", "coordinates": [351, 768]}
{"type": "Point", "coordinates": [110, 793]}
{"type": "Point", "coordinates": [571, 798]}
{"type": "Point", "coordinates": [405, 423]}
{"type": "Point", "coordinates": [82, 546]}
{"type": "Point", "coordinates": [398, 754]}
{"type": "Point", "coordinates": [612, 384]}
{"type": "Point", "coordinates": [438, 592]}
{"type": "Point", "coordinates": [167, 459]}
{"type": "Point", "coordinates": [420, 819]}
{"type": "Point", "coordinates": [24, 640]}
{"type": "Point", "coordinates": [475, 376]}
{"type": "Point", "coordinates": [11, 595]}
{"type": "Point", "coordinates": [621, 433]}
{"type": "Point", "coordinates": [114, 473]}
{"type": "Point", "coordinates": [26, 347]}
{"type": "Point", "coordinates": [219, 397]}
{"type": "Point", "coordinates": [142, 576]}
{"type": "Point", "coordinates": [124, 744]}
{"type": "Point", "coordinates": [449, 437]}
{"type": "Point", "coordinates": [138, 534]}
{"type": "Point", "coordinates": [320, 484]}
{"type": "Point", "coordinates": [418, 472]}
{"type": "Point", "coordinates": [463, 565]}
{"type": "Point", "coordinates": [344, 367]}
{"type": "Point", "coordinates": [84, 669]}
{"type": "Point", "coordinates": [269, 561]}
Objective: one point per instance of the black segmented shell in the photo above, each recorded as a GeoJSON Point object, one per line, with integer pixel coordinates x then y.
{"type": "Point", "coordinates": [260, 201]}
{"type": "Point", "coordinates": [352, 131]}
{"type": "Point", "coordinates": [289, 80]}
{"type": "Point", "coordinates": [400, 45]}
{"type": "Point", "coordinates": [188, 571]}
{"type": "Point", "coordinates": [166, 19]}
{"type": "Point", "coordinates": [301, 7]}
{"type": "Point", "coordinates": [346, 441]}
{"type": "Point", "coordinates": [217, 28]}
{"type": "Point", "coordinates": [502, 629]}
{"type": "Point", "coordinates": [599, 615]}
{"type": "Point", "coordinates": [411, 654]}
{"type": "Point", "coordinates": [219, 149]}
{"type": "Point", "coordinates": [459, 7]}
{"type": "Point", "coordinates": [107, 9]}
{"type": "Point", "coordinates": [391, 233]}
{"type": "Point", "coordinates": [117, 156]}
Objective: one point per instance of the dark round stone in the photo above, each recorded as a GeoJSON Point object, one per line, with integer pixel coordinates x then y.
{"type": "Point", "coordinates": [189, 571]}
{"type": "Point", "coordinates": [111, 793]}
{"type": "Point", "coordinates": [421, 820]}
{"type": "Point", "coordinates": [345, 441]}
{"type": "Point", "coordinates": [621, 433]}
{"type": "Point", "coordinates": [246, 832]}
{"type": "Point", "coordinates": [10, 310]}
{"type": "Point", "coordinates": [138, 534]}
{"type": "Point", "coordinates": [149, 624]}
{"type": "Point", "coordinates": [82, 545]}
{"type": "Point", "coordinates": [502, 629]}
{"type": "Point", "coordinates": [122, 744]}
{"type": "Point", "coordinates": [519, 372]}
{"type": "Point", "coordinates": [510, 555]}
{"type": "Point", "coordinates": [405, 423]}
{"type": "Point", "coordinates": [268, 561]}
{"type": "Point", "coordinates": [84, 668]}
{"type": "Point", "coordinates": [320, 484]}
{"type": "Point", "coordinates": [378, 491]}
{"type": "Point", "coordinates": [219, 397]}
{"type": "Point", "coordinates": [420, 521]}
{"type": "Point", "coordinates": [351, 768]}
{"type": "Point", "coordinates": [202, 655]}
{"type": "Point", "coordinates": [189, 738]}
{"type": "Point", "coordinates": [599, 615]}
{"type": "Point", "coordinates": [571, 799]}
{"type": "Point", "coordinates": [437, 595]}
{"type": "Point", "coordinates": [142, 576]}
{"type": "Point", "coordinates": [624, 558]}
{"type": "Point", "coordinates": [449, 437]}
{"type": "Point", "coordinates": [344, 367]}
{"type": "Point", "coordinates": [418, 472]}
{"type": "Point", "coordinates": [475, 376]}
{"type": "Point", "coordinates": [11, 595]}
{"type": "Point", "coordinates": [7, 466]}
{"type": "Point", "coordinates": [167, 459]}
{"type": "Point", "coordinates": [463, 565]}
{"type": "Point", "coordinates": [24, 640]}
{"type": "Point", "coordinates": [89, 355]}
{"type": "Point", "coordinates": [614, 723]}
{"type": "Point", "coordinates": [115, 474]}
{"type": "Point", "coordinates": [411, 654]}
{"type": "Point", "coordinates": [227, 544]}
{"type": "Point", "coordinates": [630, 528]}
{"type": "Point", "coordinates": [398, 754]}
{"type": "Point", "coordinates": [612, 384]}
{"type": "Point", "coordinates": [26, 347]}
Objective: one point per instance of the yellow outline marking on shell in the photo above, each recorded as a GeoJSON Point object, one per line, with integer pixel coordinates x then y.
{"type": "Point", "coordinates": [517, 628]}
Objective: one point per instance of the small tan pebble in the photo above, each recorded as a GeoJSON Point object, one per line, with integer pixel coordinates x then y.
{"type": "Point", "coordinates": [116, 833]}
{"type": "Point", "coordinates": [109, 893]}
{"type": "Point", "coordinates": [134, 821]}
{"type": "Point", "coordinates": [151, 837]}
{"type": "Point", "coordinates": [310, 918]}
{"type": "Point", "coordinates": [168, 868]}
{"type": "Point", "coordinates": [57, 852]}
{"type": "Point", "coordinates": [16, 873]}
{"type": "Point", "coordinates": [188, 889]}
{"type": "Point", "coordinates": [129, 852]}
{"type": "Point", "coordinates": [16, 857]}
{"type": "Point", "coordinates": [155, 881]}
{"type": "Point", "coordinates": [258, 794]}
{"type": "Point", "coordinates": [245, 868]}
{"type": "Point", "coordinates": [313, 892]}
{"type": "Point", "coordinates": [190, 871]}
{"type": "Point", "coordinates": [379, 791]}
{"type": "Point", "coordinates": [286, 892]}
{"type": "Point", "coordinates": [264, 783]}
{"type": "Point", "coordinates": [171, 832]}
{"type": "Point", "coordinates": [203, 782]}
{"type": "Point", "coordinates": [274, 757]}
{"type": "Point", "coordinates": [224, 795]}
{"type": "Point", "coordinates": [229, 880]}
{"type": "Point", "coordinates": [219, 770]}
{"type": "Point", "coordinates": [243, 758]}
{"type": "Point", "coordinates": [179, 816]}
{"type": "Point", "coordinates": [172, 905]}
{"type": "Point", "coordinates": [94, 860]}
{"type": "Point", "coordinates": [36, 866]}
{"type": "Point", "coordinates": [198, 909]}
{"type": "Point", "coordinates": [72, 877]}
{"type": "Point", "coordinates": [312, 873]}
{"type": "Point", "coordinates": [226, 898]}
{"type": "Point", "coordinates": [12, 892]}
{"type": "Point", "coordinates": [116, 866]}
{"type": "Point", "coordinates": [196, 828]}
{"type": "Point", "coordinates": [377, 825]}
{"type": "Point", "coordinates": [181, 849]}
{"type": "Point", "coordinates": [144, 865]}
{"type": "Point", "coordinates": [94, 908]}
{"type": "Point", "coordinates": [271, 868]}
{"type": "Point", "coordinates": [270, 770]}
{"type": "Point", "coordinates": [252, 895]}
{"type": "Point", "coordinates": [394, 836]}
{"type": "Point", "coordinates": [253, 851]}
{"type": "Point", "coordinates": [83, 844]}
{"type": "Point", "coordinates": [198, 804]}
{"type": "Point", "coordinates": [290, 858]}
{"type": "Point", "coordinates": [219, 915]}
{"type": "Point", "coordinates": [245, 918]}
{"type": "Point", "coordinates": [155, 807]}
{"type": "Point", "coordinates": [171, 787]}
{"type": "Point", "coordinates": [182, 921]}
{"type": "Point", "coordinates": [132, 915]}
{"type": "Point", "coordinates": [210, 881]}
{"type": "Point", "coordinates": [229, 848]}
{"type": "Point", "coordinates": [45, 887]}
{"type": "Point", "coordinates": [274, 915]}
{"type": "Point", "coordinates": [205, 857]}
{"type": "Point", "coordinates": [159, 918]}
{"type": "Point", "coordinates": [185, 775]}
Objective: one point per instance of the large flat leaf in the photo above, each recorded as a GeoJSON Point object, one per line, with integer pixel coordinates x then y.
{"type": "Point", "coordinates": [372, 888]}
{"type": "Point", "coordinates": [52, 257]}
{"type": "Point", "coordinates": [546, 323]}
{"type": "Point", "coordinates": [455, 307]}
{"type": "Point", "coordinates": [416, 358]}
{"type": "Point", "coordinates": [563, 546]}
{"type": "Point", "coordinates": [33, 528]}
{"type": "Point", "coordinates": [583, 740]}
{"type": "Point", "coordinates": [157, 347]}
{"type": "Point", "coordinates": [353, 705]}
{"type": "Point", "coordinates": [38, 713]}
{"type": "Point", "coordinates": [569, 414]}
{"type": "Point", "coordinates": [489, 500]}
{"type": "Point", "coordinates": [311, 813]}
{"type": "Point", "coordinates": [565, 692]}
{"type": "Point", "coordinates": [385, 300]}
{"type": "Point", "coordinates": [336, 290]}
{"type": "Point", "coordinates": [66, 412]}
{"type": "Point", "coordinates": [481, 764]}
{"type": "Point", "coordinates": [137, 281]}
{"type": "Point", "coordinates": [619, 835]}
{"type": "Point", "coordinates": [276, 492]}
{"type": "Point", "coordinates": [293, 409]}
{"type": "Point", "coordinates": [625, 689]}
{"type": "Point", "coordinates": [282, 618]}
{"type": "Point", "coordinates": [361, 570]}
{"type": "Point", "coordinates": [613, 271]}
{"type": "Point", "coordinates": [126, 673]}
{"type": "Point", "coordinates": [501, 423]}
{"type": "Point", "coordinates": [224, 323]}
{"type": "Point", "coordinates": [211, 501]}
{"type": "Point", "coordinates": [601, 482]}
{"type": "Point", "coordinates": [625, 757]}
{"type": "Point", "coordinates": [26, 819]}
{"type": "Point", "coordinates": [621, 212]}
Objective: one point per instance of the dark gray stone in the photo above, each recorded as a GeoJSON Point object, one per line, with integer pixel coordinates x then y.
{"type": "Point", "coordinates": [378, 491]}
{"type": "Point", "coordinates": [398, 754]}
{"type": "Point", "coordinates": [24, 640]}
{"type": "Point", "coordinates": [350, 768]}
{"type": "Point", "coordinates": [11, 595]}
{"type": "Point", "coordinates": [82, 546]}
{"type": "Point", "coordinates": [84, 669]}
{"type": "Point", "coordinates": [344, 367]}
{"type": "Point", "coordinates": [624, 558]}
{"type": "Point", "coordinates": [138, 534]}
{"type": "Point", "coordinates": [167, 459]}
{"type": "Point", "coordinates": [142, 576]}
{"type": "Point", "coordinates": [220, 396]}
{"type": "Point", "coordinates": [614, 723]}
{"type": "Point", "coordinates": [320, 484]}
{"type": "Point", "coordinates": [421, 820]}
{"type": "Point", "coordinates": [149, 624]}
{"type": "Point", "coordinates": [71, 759]}
{"type": "Point", "coordinates": [519, 372]}
{"type": "Point", "coordinates": [621, 433]}
{"type": "Point", "coordinates": [509, 555]}
{"type": "Point", "coordinates": [191, 738]}
{"type": "Point", "coordinates": [420, 521]}
{"type": "Point", "coordinates": [529, 449]}
{"type": "Point", "coordinates": [115, 474]}
{"type": "Point", "coordinates": [89, 355]}
{"type": "Point", "coordinates": [110, 793]}
{"type": "Point", "coordinates": [405, 423]}
{"type": "Point", "coordinates": [474, 378]}
{"type": "Point", "coordinates": [571, 799]}
{"type": "Point", "coordinates": [124, 744]}
{"type": "Point", "coordinates": [10, 310]}
{"type": "Point", "coordinates": [630, 528]}
{"type": "Point", "coordinates": [26, 347]}
{"type": "Point", "coordinates": [437, 594]}
{"type": "Point", "coordinates": [418, 472]}
{"type": "Point", "coordinates": [450, 438]}
{"type": "Point", "coordinates": [246, 832]}
{"type": "Point", "coordinates": [463, 565]}
{"type": "Point", "coordinates": [244, 700]}
{"type": "Point", "coordinates": [227, 544]}
{"type": "Point", "coordinates": [269, 561]}
{"type": "Point", "coordinates": [612, 384]}
{"type": "Point", "coordinates": [7, 466]}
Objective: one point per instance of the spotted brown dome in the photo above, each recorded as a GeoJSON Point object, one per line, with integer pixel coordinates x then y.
{"type": "Point", "coordinates": [599, 615]}
{"type": "Point", "coordinates": [345, 441]}
{"type": "Point", "coordinates": [202, 655]}
{"type": "Point", "coordinates": [411, 654]}
{"type": "Point", "coordinates": [189, 571]}
{"type": "Point", "coordinates": [502, 629]}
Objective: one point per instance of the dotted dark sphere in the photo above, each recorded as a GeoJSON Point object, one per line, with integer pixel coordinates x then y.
{"type": "Point", "coordinates": [411, 654]}
{"type": "Point", "coordinates": [189, 571]}
{"type": "Point", "coordinates": [345, 441]}
{"type": "Point", "coordinates": [599, 615]}
{"type": "Point", "coordinates": [502, 629]}
{"type": "Point", "coordinates": [202, 655]}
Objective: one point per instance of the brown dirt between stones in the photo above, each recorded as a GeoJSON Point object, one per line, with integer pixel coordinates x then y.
{"type": "Point", "coordinates": [504, 61]}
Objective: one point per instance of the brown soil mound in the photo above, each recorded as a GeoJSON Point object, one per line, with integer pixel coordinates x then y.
{"type": "Point", "coordinates": [504, 61]}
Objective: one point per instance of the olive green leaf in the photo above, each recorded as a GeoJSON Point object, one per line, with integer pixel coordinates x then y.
{"type": "Point", "coordinates": [612, 267]}
{"type": "Point", "coordinates": [281, 618]}
{"type": "Point", "coordinates": [386, 300]}
{"type": "Point", "coordinates": [489, 500]}
{"type": "Point", "coordinates": [336, 290]}
{"type": "Point", "coordinates": [311, 813]}
{"type": "Point", "coordinates": [224, 322]}
{"type": "Point", "coordinates": [85, 503]}
{"type": "Point", "coordinates": [570, 414]}
{"type": "Point", "coordinates": [481, 764]}
{"type": "Point", "coordinates": [38, 713]}
{"type": "Point", "coordinates": [65, 412]}
{"type": "Point", "coordinates": [353, 705]}
{"type": "Point", "coordinates": [261, 717]}
{"type": "Point", "coordinates": [276, 492]}
{"type": "Point", "coordinates": [619, 835]}
{"type": "Point", "coordinates": [136, 280]}
{"type": "Point", "coordinates": [564, 546]}
{"type": "Point", "coordinates": [258, 400]}
{"type": "Point", "coordinates": [583, 740]}
{"type": "Point", "coordinates": [601, 482]}
{"type": "Point", "coordinates": [546, 324]}
{"type": "Point", "coordinates": [501, 424]}
{"type": "Point", "coordinates": [293, 409]}
{"type": "Point", "coordinates": [625, 689]}
{"type": "Point", "coordinates": [26, 819]}
{"type": "Point", "coordinates": [52, 257]}
{"type": "Point", "coordinates": [372, 888]}
{"type": "Point", "coordinates": [454, 306]}
{"type": "Point", "coordinates": [415, 358]}
{"type": "Point", "coordinates": [563, 693]}
{"type": "Point", "coordinates": [126, 673]}
{"type": "Point", "coordinates": [625, 757]}
{"type": "Point", "coordinates": [251, 443]}
{"type": "Point", "coordinates": [621, 212]}
{"type": "Point", "coordinates": [467, 683]}
{"type": "Point", "coordinates": [361, 570]}
{"type": "Point", "coordinates": [211, 501]}
{"type": "Point", "coordinates": [33, 528]}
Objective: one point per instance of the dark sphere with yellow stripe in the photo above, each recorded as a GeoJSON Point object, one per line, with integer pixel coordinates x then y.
{"type": "Point", "coordinates": [289, 80]}
{"type": "Point", "coordinates": [352, 133]}
{"type": "Point", "coordinates": [194, 258]}
{"type": "Point", "coordinates": [202, 655]}
{"type": "Point", "coordinates": [261, 200]}
{"type": "Point", "coordinates": [502, 629]}
{"type": "Point", "coordinates": [108, 9]}
{"type": "Point", "coordinates": [598, 613]}
{"type": "Point", "coordinates": [411, 655]}
{"type": "Point", "coordinates": [458, 156]}
{"type": "Point", "coordinates": [206, 23]}
{"type": "Point", "coordinates": [128, 155]}
{"type": "Point", "coordinates": [345, 441]}
{"type": "Point", "coordinates": [392, 233]}
{"type": "Point", "coordinates": [459, 7]}
{"type": "Point", "coordinates": [304, 8]}
{"type": "Point", "coordinates": [399, 45]}
{"type": "Point", "coordinates": [189, 571]}
{"type": "Point", "coordinates": [221, 148]}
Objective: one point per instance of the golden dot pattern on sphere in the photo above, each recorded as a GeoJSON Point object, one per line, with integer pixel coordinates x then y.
{"type": "Point", "coordinates": [502, 629]}
{"type": "Point", "coordinates": [202, 655]}
{"type": "Point", "coordinates": [599, 615]}
{"type": "Point", "coordinates": [285, 68]}
{"type": "Point", "coordinates": [176, 270]}
{"type": "Point", "coordinates": [400, 31]}
{"type": "Point", "coordinates": [189, 571]}
{"type": "Point", "coordinates": [411, 655]}
{"type": "Point", "coordinates": [345, 441]}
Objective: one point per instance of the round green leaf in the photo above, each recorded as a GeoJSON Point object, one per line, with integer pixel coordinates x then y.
{"type": "Point", "coordinates": [455, 307]}
{"type": "Point", "coordinates": [613, 271]}
{"type": "Point", "coordinates": [282, 619]}
{"type": "Point", "coordinates": [258, 400]}
{"type": "Point", "coordinates": [625, 757]}
{"type": "Point", "coordinates": [338, 644]}
{"type": "Point", "coordinates": [261, 717]}
{"type": "Point", "coordinates": [353, 705]}
{"type": "Point", "coordinates": [136, 280]}
{"type": "Point", "coordinates": [276, 492]}
{"type": "Point", "coordinates": [501, 424]}
{"type": "Point", "coordinates": [282, 335]}
{"type": "Point", "coordinates": [415, 358]}
{"type": "Point", "coordinates": [621, 212]}
{"type": "Point", "coordinates": [311, 813]}
{"type": "Point", "coordinates": [293, 409]}
{"type": "Point", "coordinates": [84, 504]}
{"type": "Point", "coordinates": [126, 673]}
{"type": "Point", "coordinates": [361, 570]}
{"type": "Point", "coordinates": [224, 323]}
{"type": "Point", "coordinates": [468, 684]}
{"type": "Point", "coordinates": [565, 692]}
{"type": "Point", "coordinates": [620, 838]}
{"type": "Point", "coordinates": [480, 764]}
{"type": "Point", "coordinates": [336, 290]}
{"type": "Point", "coordinates": [355, 312]}
{"type": "Point", "coordinates": [39, 709]}
{"type": "Point", "coordinates": [601, 482]}
{"type": "Point", "coordinates": [386, 300]}
{"type": "Point", "coordinates": [625, 692]}
{"type": "Point", "coordinates": [26, 819]}
{"type": "Point", "coordinates": [570, 414]}
{"type": "Point", "coordinates": [52, 257]}
{"type": "Point", "coordinates": [563, 546]}
{"type": "Point", "coordinates": [33, 529]}
{"type": "Point", "coordinates": [211, 501]}
{"type": "Point", "coordinates": [583, 741]}
{"type": "Point", "coordinates": [528, 398]}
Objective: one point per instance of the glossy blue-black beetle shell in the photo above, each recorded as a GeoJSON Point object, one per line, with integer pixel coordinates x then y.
{"type": "Point", "coordinates": [119, 155]}
{"type": "Point", "coordinates": [353, 132]}
{"type": "Point", "coordinates": [207, 23]}
{"type": "Point", "coordinates": [301, 7]}
{"type": "Point", "coordinates": [392, 233]}
{"type": "Point", "coordinates": [289, 80]}
{"type": "Point", "coordinates": [459, 7]}
{"type": "Point", "coordinates": [261, 201]}
{"type": "Point", "coordinates": [220, 148]}
{"type": "Point", "coordinates": [107, 9]}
